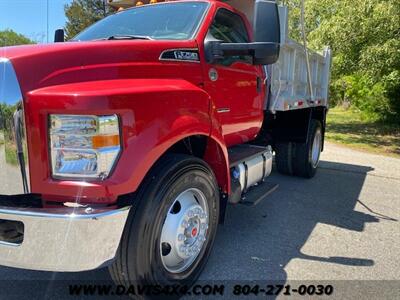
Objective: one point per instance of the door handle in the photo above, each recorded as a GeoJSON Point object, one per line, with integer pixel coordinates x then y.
{"type": "Point", "coordinates": [259, 84]}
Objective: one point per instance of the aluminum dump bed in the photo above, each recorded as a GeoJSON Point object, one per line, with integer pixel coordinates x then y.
{"type": "Point", "coordinates": [289, 78]}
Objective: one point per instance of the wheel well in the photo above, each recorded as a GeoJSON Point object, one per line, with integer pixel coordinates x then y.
{"type": "Point", "coordinates": [290, 126]}
{"type": "Point", "coordinates": [210, 151]}
{"type": "Point", "coordinates": [193, 145]}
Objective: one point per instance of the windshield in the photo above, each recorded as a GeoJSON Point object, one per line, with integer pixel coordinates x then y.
{"type": "Point", "coordinates": [169, 21]}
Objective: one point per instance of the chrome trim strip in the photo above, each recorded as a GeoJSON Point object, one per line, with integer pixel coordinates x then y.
{"type": "Point", "coordinates": [9, 244]}
{"type": "Point", "coordinates": [14, 171]}
{"type": "Point", "coordinates": [223, 110]}
{"type": "Point", "coordinates": [67, 213]}
{"type": "Point", "coordinates": [64, 239]}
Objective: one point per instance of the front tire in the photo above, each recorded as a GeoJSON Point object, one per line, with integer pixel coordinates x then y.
{"type": "Point", "coordinates": [172, 225]}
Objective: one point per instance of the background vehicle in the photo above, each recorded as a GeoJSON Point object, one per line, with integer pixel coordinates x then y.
{"type": "Point", "coordinates": [124, 146]}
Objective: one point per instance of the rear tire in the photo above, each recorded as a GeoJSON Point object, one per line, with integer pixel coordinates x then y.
{"type": "Point", "coordinates": [307, 155]}
{"type": "Point", "coordinates": [284, 158]}
{"type": "Point", "coordinates": [179, 194]}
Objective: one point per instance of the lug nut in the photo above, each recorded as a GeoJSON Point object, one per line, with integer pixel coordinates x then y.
{"type": "Point", "coordinates": [182, 249]}
{"type": "Point", "coordinates": [190, 214]}
{"type": "Point", "coordinates": [184, 224]}
{"type": "Point", "coordinates": [204, 226]}
{"type": "Point", "coordinates": [181, 237]}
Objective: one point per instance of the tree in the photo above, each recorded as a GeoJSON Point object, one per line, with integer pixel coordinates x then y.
{"type": "Point", "coordinates": [83, 13]}
{"type": "Point", "coordinates": [11, 38]}
{"type": "Point", "coordinates": [365, 39]}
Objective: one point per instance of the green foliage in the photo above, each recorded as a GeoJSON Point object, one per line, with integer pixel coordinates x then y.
{"type": "Point", "coordinates": [6, 134]}
{"type": "Point", "coordinates": [11, 38]}
{"type": "Point", "coordinates": [367, 96]}
{"type": "Point", "coordinates": [83, 13]}
{"type": "Point", "coordinates": [6, 113]}
{"type": "Point", "coordinates": [11, 155]}
{"type": "Point", "coordinates": [365, 38]}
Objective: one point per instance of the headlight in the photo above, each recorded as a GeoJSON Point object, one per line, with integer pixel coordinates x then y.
{"type": "Point", "coordinates": [84, 146]}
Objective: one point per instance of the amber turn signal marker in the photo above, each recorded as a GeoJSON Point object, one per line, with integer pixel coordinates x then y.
{"type": "Point", "coordinates": [102, 141]}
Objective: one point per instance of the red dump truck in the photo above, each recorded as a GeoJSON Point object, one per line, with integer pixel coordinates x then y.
{"type": "Point", "coordinates": [123, 146]}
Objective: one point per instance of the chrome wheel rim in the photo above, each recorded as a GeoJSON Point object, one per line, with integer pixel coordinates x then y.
{"type": "Point", "coordinates": [316, 148]}
{"type": "Point", "coordinates": [184, 231]}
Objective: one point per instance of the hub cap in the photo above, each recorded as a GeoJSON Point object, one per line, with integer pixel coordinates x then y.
{"type": "Point", "coordinates": [184, 231]}
{"type": "Point", "coordinates": [316, 148]}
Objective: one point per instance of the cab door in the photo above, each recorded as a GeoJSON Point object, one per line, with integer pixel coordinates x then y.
{"type": "Point", "coordinates": [235, 85]}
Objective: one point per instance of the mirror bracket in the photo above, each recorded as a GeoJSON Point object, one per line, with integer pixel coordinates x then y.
{"type": "Point", "coordinates": [59, 36]}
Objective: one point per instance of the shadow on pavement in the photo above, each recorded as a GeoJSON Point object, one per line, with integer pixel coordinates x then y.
{"type": "Point", "coordinates": [256, 243]}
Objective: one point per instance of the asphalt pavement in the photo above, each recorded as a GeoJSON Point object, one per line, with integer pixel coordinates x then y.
{"type": "Point", "coordinates": [340, 228]}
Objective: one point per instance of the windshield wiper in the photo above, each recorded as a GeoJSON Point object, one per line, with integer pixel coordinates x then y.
{"type": "Point", "coordinates": [128, 37]}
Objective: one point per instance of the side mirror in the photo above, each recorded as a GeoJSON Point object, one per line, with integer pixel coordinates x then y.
{"type": "Point", "coordinates": [267, 29]}
{"type": "Point", "coordinates": [265, 50]}
{"type": "Point", "coordinates": [59, 36]}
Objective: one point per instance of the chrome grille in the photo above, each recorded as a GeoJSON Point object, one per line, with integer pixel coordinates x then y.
{"type": "Point", "coordinates": [13, 147]}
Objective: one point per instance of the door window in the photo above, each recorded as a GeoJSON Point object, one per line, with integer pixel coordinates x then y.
{"type": "Point", "coordinates": [230, 28]}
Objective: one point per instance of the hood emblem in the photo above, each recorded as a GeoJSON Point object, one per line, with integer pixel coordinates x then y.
{"type": "Point", "coordinates": [187, 55]}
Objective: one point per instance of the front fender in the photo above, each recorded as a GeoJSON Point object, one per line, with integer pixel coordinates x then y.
{"type": "Point", "coordinates": [154, 113]}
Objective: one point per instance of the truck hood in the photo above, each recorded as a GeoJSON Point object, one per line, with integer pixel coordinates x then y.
{"type": "Point", "coordinates": [38, 66]}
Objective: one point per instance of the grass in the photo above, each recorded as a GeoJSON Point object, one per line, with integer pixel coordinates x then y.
{"type": "Point", "coordinates": [10, 151]}
{"type": "Point", "coordinates": [11, 155]}
{"type": "Point", "coordinates": [348, 127]}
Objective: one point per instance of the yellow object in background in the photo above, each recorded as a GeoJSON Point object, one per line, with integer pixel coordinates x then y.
{"type": "Point", "coordinates": [118, 4]}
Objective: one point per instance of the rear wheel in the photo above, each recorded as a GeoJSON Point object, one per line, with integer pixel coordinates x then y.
{"type": "Point", "coordinates": [172, 226]}
{"type": "Point", "coordinates": [284, 158]}
{"type": "Point", "coordinates": [307, 155]}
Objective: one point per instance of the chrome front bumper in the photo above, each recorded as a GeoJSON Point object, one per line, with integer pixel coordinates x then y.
{"type": "Point", "coordinates": [63, 240]}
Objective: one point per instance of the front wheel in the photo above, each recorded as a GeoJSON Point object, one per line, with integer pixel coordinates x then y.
{"type": "Point", "coordinates": [172, 225]}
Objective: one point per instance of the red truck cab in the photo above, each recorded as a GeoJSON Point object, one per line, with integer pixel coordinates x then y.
{"type": "Point", "coordinates": [123, 146]}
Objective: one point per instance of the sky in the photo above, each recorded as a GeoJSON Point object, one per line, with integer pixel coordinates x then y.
{"type": "Point", "coordinates": [29, 17]}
